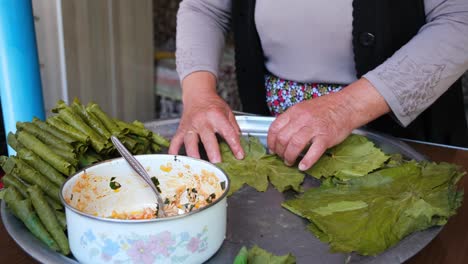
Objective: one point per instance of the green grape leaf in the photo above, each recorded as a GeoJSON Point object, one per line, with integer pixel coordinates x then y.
{"type": "Point", "coordinates": [371, 213]}
{"type": "Point", "coordinates": [258, 168]}
{"type": "Point", "coordinates": [355, 157]}
{"type": "Point", "coordinates": [257, 255]}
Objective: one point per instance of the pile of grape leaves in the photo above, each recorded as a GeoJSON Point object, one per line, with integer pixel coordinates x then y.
{"type": "Point", "coordinates": [368, 201]}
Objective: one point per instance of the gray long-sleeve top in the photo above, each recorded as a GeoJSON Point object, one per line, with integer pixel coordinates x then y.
{"type": "Point", "coordinates": [311, 41]}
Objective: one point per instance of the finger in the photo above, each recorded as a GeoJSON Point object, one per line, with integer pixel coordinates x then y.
{"type": "Point", "coordinates": [315, 151]}
{"type": "Point", "coordinates": [232, 138]}
{"type": "Point", "coordinates": [210, 142]}
{"type": "Point", "coordinates": [276, 126]}
{"type": "Point", "coordinates": [235, 125]}
{"type": "Point", "coordinates": [297, 143]}
{"type": "Point", "coordinates": [176, 143]}
{"type": "Point", "coordinates": [191, 144]}
{"type": "Point", "coordinates": [284, 137]}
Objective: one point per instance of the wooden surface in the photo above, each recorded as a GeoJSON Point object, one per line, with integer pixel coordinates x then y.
{"type": "Point", "coordinates": [450, 246]}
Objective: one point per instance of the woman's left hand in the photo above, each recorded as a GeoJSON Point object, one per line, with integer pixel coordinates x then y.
{"type": "Point", "coordinates": [323, 122]}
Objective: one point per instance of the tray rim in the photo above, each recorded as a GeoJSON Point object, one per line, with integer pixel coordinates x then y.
{"type": "Point", "coordinates": [33, 247]}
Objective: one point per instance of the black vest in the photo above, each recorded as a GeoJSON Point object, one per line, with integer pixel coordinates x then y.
{"type": "Point", "coordinates": [379, 29]}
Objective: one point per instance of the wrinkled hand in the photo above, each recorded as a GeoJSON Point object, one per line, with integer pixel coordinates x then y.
{"type": "Point", "coordinates": [315, 122]}
{"type": "Point", "coordinates": [323, 122]}
{"type": "Point", "coordinates": [204, 116]}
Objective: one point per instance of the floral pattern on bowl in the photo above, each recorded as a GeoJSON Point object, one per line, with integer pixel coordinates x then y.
{"type": "Point", "coordinates": [152, 248]}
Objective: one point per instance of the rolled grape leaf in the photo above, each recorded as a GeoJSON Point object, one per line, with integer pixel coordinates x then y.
{"type": "Point", "coordinates": [142, 144]}
{"type": "Point", "coordinates": [381, 208]}
{"type": "Point", "coordinates": [36, 162]}
{"type": "Point", "coordinates": [59, 124]}
{"type": "Point", "coordinates": [160, 140]}
{"type": "Point", "coordinates": [129, 143]}
{"type": "Point", "coordinates": [71, 157]}
{"type": "Point", "coordinates": [45, 153]}
{"type": "Point", "coordinates": [23, 210]}
{"type": "Point", "coordinates": [79, 146]}
{"type": "Point", "coordinates": [52, 130]}
{"type": "Point", "coordinates": [113, 128]}
{"type": "Point", "coordinates": [61, 219]}
{"type": "Point", "coordinates": [97, 125]}
{"type": "Point", "coordinates": [47, 216]}
{"type": "Point", "coordinates": [24, 193]}
{"type": "Point", "coordinates": [14, 181]}
{"type": "Point", "coordinates": [90, 119]}
{"type": "Point", "coordinates": [138, 124]}
{"type": "Point", "coordinates": [133, 129]}
{"type": "Point", "coordinates": [155, 137]}
{"type": "Point", "coordinates": [97, 141]}
{"type": "Point", "coordinates": [155, 147]}
{"type": "Point", "coordinates": [60, 105]}
{"type": "Point", "coordinates": [88, 158]}
{"type": "Point", "coordinates": [257, 168]}
{"type": "Point", "coordinates": [31, 176]}
{"type": "Point", "coordinates": [44, 136]}
{"type": "Point", "coordinates": [41, 166]}
{"type": "Point", "coordinates": [12, 194]}
{"type": "Point", "coordinates": [13, 142]}
{"type": "Point", "coordinates": [54, 204]}
{"type": "Point", "coordinates": [355, 157]}
{"type": "Point", "coordinates": [7, 164]}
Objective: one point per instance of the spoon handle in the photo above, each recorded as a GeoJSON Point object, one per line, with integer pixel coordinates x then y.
{"type": "Point", "coordinates": [140, 170]}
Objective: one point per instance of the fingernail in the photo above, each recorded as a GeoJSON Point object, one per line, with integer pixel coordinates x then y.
{"type": "Point", "coordinates": [216, 161]}
{"type": "Point", "coordinates": [271, 151]}
{"type": "Point", "coordinates": [287, 163]}
{"type": "Point", "coordinates": [240, 155]}
{"type": "Point", "coordinates": [302, 167]}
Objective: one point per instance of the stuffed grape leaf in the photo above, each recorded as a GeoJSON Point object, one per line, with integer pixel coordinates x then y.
{"type": "Point", "coordinates": [371, 213]}
{"type": "Point", "coordinates": [258, 168]}
{"type": "Point", "coordinates": [356, 156]}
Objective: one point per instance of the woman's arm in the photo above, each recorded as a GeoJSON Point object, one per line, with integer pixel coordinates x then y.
{"type": "Point", "coordinates": [407, 83]}
{"type": "Point", "coordinates": [201, 26]}
{"type": "Point", "coordinates": [423, 69]}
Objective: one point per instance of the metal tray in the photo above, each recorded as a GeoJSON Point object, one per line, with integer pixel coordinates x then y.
{"type": "Point", "coordinates": [256, 218]}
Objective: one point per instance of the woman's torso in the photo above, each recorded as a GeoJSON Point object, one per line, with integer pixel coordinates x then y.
{"type": "Point", "coordinates": [307, 41]}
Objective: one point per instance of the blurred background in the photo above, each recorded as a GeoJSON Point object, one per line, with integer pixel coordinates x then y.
{"type": "Point", "coordinates": [116, 53]}
{"type": "Point", "coordinates": [119, 54]}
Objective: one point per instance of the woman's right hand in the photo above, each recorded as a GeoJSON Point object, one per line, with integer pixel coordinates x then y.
{"type": "Point", "coordinates": [205, 114]}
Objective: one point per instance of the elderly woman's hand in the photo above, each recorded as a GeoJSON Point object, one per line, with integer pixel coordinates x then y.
{"type": "Point", "coordinates": [205, 114]}
{"type": "Point", "coordinates": [323, 122]}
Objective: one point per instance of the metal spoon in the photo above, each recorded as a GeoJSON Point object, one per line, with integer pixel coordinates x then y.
{"type": "Point", "coordinates": [140, 171]}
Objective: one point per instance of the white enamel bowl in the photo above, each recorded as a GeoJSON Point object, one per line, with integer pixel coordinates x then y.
{"type": "Point", "coordinates": [189, 238]}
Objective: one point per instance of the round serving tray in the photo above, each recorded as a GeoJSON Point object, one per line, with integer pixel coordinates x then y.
{"type": "Point", "coordinates": [256, 218]}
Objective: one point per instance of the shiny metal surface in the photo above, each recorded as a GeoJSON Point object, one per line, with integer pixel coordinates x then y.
{"type": "Point", "coordinates": [256, 218]}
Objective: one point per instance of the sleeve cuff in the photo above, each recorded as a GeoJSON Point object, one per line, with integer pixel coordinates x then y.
{"type": "Point", "coordinates": [397, 110]}
{"type": "Point", "coordinates": [187, 71]}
